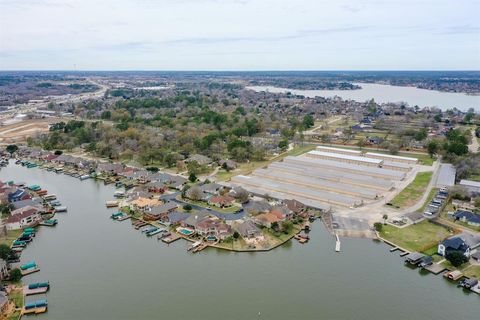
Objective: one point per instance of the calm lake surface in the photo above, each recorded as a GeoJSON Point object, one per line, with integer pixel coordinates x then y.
{"type": "Point", "coordinates": [102, 269]}
{"type": "Point", "coordinates": [386, 93]}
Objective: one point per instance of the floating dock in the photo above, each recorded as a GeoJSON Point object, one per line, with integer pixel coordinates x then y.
{"type": "Point", "coordinates": [171, 238]}
{"type": "Point", "coordinates": [36, 307]}
{"type": "Point", "coordinates": [36, 288]}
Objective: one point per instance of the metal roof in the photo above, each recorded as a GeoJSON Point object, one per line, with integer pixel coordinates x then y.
{"type": "Point", "coordinates": [345, 157]}
{"type": "Point", "coordinates": [391, 156]}
{"type": "Point", "coordinates": [446, 175]}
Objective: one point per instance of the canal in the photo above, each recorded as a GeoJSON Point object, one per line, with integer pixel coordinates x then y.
{"type": "Point", "coordinates": [101, 269]}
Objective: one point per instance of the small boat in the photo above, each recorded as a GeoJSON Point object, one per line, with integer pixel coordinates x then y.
{"type": "Point", "coordinates": [50, 197]}
{"type": "Point", "coordinates": [119, 194]}
{"type": "Point", "coordinates": [55, 203]}
{"type": "Point", "coordinates": [84, 177]}
{"type": "Point", "coordinates": [58, 170]}
{"type": "Point", "coordinates": [194, 245]}
{"type": "Point", "coordinates": [154, 232]}
{"type": "Point", "coordinates": [61, 209]}
{"type": "Point", "coordinates": [42, 192]}
{"type": "Point", "coordinates": [147, 229]}
{"type": "Point", "coordinates": [34, 187]}
{"type": "Point", "coordinates": [49, 222]}
{"type": "Point", "coordinates": [19, 244]}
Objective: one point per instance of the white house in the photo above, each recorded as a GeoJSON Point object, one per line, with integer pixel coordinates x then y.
{"type": "Point", "coordinates": [22, 220]}
{"type": "Point", "coordinates": [453, 244]}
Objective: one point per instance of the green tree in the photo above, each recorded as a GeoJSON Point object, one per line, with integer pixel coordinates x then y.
{"type": "Point", "coordinates": [6, 208]}
{"type": "Point", "coordinates": [283, 144]}
{"type": "Point", "coordinates": [378, 226]}
{"type": "Point", "coordinates": [385, 217]}
{"type": "Point", "coordinates": [192, 177]}
{"type": "Point", "coordinates": [11, 148]}
{"type": "Point", "coordinates": [15, 275]}
{"type": "Point", "coordinates": [456, 258]}
{"type": "Point", "coordinates": [236, 235]}
{"type": "Point", "coordinates": [432, 148]}
{"type": "Point", "coordinates": [5, 251]}
{"type": "Point", "coordinates": [308, 121]}
{"type": "Point", "coordinates": [187, 207]}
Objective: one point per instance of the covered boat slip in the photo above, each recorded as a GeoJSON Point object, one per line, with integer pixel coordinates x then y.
{"type": "Point", "coordinates": [346, 167]}
{"type": "Point", "coordinates": [297, 190]}
{"type": "Point", "coordinates": [335, 176]}
{"type": "Point", "coordinates": [316, 183]}
{"type": "Point", "coordinates": [345, 158]}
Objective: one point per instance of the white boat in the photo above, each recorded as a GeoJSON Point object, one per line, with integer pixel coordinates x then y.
{"type": "Point", "coordinates": [50, 197]}
{"type": "Point", "coordinates": [61, 209]}
{"type": "Point", "coordinates": [119, 194]}
{"type": "Point", "coordinates": [85, 177]}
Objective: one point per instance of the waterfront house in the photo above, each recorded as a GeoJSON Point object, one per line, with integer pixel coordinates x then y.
{"type": "Point", "coordinates": [159, 212]}
{"type": "Point", "coordinates": [110, 168]}
{"type": "Point", "coordinates": [175, 217]}
{"type": "Point", "coordinates": [468, 217]}
{"type": "Point", "coordinates": [27, 208]}
{"type": "Point", "coordinates": [3, 270]}
{"type": "Point", "coordinates": [18, 195]}
{"type": "Point", "coordinates": [4, 304]}
{"type": "Point", "coordinates": [282, 212]}
{"type": "Point", "coordinates": [221, 201]}
{"type": "Point", "coordinates": [267, 219]}
{"type": "Point", "coordinates": [193, 220]}
{"type": "Point", "coordinates": [34, 202]}
{"type": "Point", "coordinates": [453, 244]}
{"type": "Point", "coordinates": [29, 218]}
{"type": "Point", "coordinates": [297, 207]}
{"type": "Point", "coordinates": [143, 204]}
{"type": "Point", "coordinates": [213, 227]}
{"type": "Point", "coordinates": [248, 230]}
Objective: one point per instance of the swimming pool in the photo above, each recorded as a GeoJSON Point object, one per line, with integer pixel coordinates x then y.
{"type": "Point", "coordinates": [186, 232]}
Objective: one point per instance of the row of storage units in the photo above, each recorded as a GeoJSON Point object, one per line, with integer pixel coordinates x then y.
{"type": "Point", "coordinates": [316, 183]}
{"type": "Point", "coordinates": [347, 167]}
{"type": "Point", "coordinates": [296, 190]}
{"type": "Point", "coordinates": [335, 176]}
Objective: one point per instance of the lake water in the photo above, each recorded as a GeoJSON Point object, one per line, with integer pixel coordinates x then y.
{"type": "Point", "coordinates": [386, 93]}
{"type": "Point", "coordinates": [102, 269]}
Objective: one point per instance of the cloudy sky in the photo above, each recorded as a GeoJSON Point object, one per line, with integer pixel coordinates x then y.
{"type": "Point", "coordinates": [239, 34]}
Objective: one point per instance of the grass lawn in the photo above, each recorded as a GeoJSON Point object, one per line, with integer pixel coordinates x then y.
{"type": "Point", "coordinates": [17, 297]}
{"type": "Point", "coordinates": [205, 205]}
{"type": "Point", "coordinates": [247, 168]}
{"type": "Point", "coordinates": [414, 191]}
{"type": "Point", "coordinates": [418, 237]}
{"type": "Point", "coordinates": [12, 235]}
{"type": "Point", "coordinates": [471, 271]}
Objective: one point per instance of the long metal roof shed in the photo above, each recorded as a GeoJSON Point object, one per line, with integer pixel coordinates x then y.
{"type": "Point", "coordinates": [354, 168]}
{"type": "Point", "coordinates": [336, 176]}
{"type": "Point", "coordinates": [345, 157]}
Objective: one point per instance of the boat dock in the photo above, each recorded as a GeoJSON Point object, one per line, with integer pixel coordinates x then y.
{"type": "Point", "coordinates": [171, 238]}
{"type": "Point", "coordinates": [35, 307]}
{"type": "Point", "coordinates": [337, 243]}
{"type": "Point", "coordinates": [36, 288]}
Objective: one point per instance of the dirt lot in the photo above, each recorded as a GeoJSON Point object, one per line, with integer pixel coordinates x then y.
{"type": "Point", "coordinates": [18, 132]}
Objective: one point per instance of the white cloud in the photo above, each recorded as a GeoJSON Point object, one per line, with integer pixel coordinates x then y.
{"type": "Point", "coordinates": [239, 34]}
